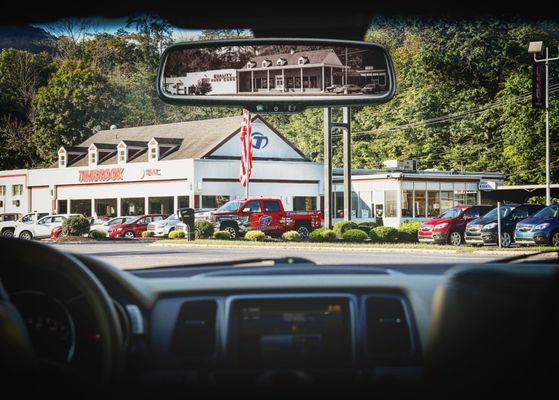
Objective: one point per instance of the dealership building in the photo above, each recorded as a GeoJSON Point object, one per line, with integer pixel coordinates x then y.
{"type": "Point", "coordinates": [160, 168]}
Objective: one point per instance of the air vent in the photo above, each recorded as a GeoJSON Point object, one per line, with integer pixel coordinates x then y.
{"type": "Point", "coordinates": [389, 339]}
{"type": "Point", "coordinates": [195, 331]}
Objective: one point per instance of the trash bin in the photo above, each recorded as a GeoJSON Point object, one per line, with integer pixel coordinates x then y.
{"type": "Point", "coordinates": [187, 217]}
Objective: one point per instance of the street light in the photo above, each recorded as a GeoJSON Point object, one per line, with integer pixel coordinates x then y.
{"type": "Point", "coordinates": [536, 48]}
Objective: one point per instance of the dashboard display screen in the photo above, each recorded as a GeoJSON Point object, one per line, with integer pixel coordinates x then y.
{"type": "Point", "coordinates": [292, 331]}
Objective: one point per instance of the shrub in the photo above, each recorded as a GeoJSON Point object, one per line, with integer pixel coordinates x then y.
{"type": "Point", "coordinates": [176, 235]}
{"type": "Point", "coordinates": [407, 231]}
{"type": "Point", "coordinates": [98, 234]}
{"type": "Point", "coordinates": [222, 235]}
{"type": "Point", "coordinates": [255, 236]}
{"type": "Point", "coordinates": [75, 225]}
{"type": "Point", "coordinates": [203, 229]}
{"type": "Point", "coordinates": [367, 226]}
{"type": "Point", "coordinates": [291, 236]}
{"type": "Point", "coordinates": [384, 234]}
{"type": "Point", "coordinates": [355, 235]}
{"type": "Point", "coordinates": [322, 235]}
{"type": "Point", "coordinates": [342, 226]}
{"type": "Point", "coordinates": [147, 234]}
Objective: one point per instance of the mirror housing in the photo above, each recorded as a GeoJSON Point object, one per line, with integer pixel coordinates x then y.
{"type": "Point", "coordinates": [276, 75]}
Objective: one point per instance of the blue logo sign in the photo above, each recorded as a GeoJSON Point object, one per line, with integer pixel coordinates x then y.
{"type": "Point", "coordinates": [259, 141]}
{"type": "Point", "coordinates": [265, 220]}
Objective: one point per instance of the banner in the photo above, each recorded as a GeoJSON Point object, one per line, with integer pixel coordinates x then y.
{"type": "Point", "coordinates": [538, 85]}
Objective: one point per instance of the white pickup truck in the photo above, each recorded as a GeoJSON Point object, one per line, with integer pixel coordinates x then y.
{"type": "Point", "coordinates": [7, 228]}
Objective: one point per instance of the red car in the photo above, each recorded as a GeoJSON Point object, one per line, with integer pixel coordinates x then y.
{"type": "Point", "coordinates": [449, 227]}
{"type": "Point", "coordinates": [56, 232]}
{"type": "Point", "coordinates": [265, 214]}
{"type": "Point", "coordinates": [136, 227]}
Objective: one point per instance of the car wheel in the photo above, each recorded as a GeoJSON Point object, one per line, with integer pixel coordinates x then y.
{"type": "Point", "coordinates": [233, 231]}
{"type": "Point", "coordinates": [506, 239]}
{"type": "Point", "coordinates": [8, 233]}
{"type": "Point", "coordinates": [129, 235]}
{"type": "Point", "coordinates": [455, 238]}
{"type": "Point", "coordinates": [303, 231]}
{"type": "Point", "coordinates": [26, 235]}
{"type": "Point", "coordinates": [555, 239]}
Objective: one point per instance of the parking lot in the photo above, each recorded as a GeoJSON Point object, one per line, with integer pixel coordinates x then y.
{"type": "Point", "coordinates": [131, 255]}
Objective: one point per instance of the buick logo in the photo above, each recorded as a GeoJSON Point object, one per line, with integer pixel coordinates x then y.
{"type": "Point", "coordinates": [259, 141]}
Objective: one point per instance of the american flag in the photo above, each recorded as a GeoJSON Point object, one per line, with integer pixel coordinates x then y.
{"type": "Point", "coordinates": [246, 152]}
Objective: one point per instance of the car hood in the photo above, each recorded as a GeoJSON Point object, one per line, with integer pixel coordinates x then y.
{"type": "Point", "coordinates": [437, 221]}
{"type": "Point", "coordinates": [485, 221]}
{"type": "Point", "coordinates": [537, 220]}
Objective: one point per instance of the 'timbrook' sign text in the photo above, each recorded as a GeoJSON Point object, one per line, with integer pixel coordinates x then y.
{"type": "Point", "coordinates": [101, 175]}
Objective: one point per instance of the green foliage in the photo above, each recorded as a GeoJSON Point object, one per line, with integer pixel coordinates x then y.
{"type": "Point", "coordinates": [203, 229]}
{"type": "Point", "coordinates": [341, 227]}
{"type": "Point", "coordinates": [355, 235]}
{"type": "Point", "coordinates": [367, 226]}
{"type": "Point", "coordinates": [322, 235]}
{"type": "Point", "coordinates": [384, 234]}
{"type": "Point", "coordinates": [407, 231]}
{"type": "Point", "coordinates": [148, 234]}
{"type": "Point", "coordinates": [291, 236]}
{"type": "Point", "coordinates": [542, 200]}
{"type": "Point", "coordinates": [75, 225]}
{"type": "Point", "coordinates": [255, 236]}
{"type": "Point", "coordinates": [176, 235]}
{"type": "Point", "coordinates": [98, 234]}
{"type": "Point", "coordinates": [222, 235]}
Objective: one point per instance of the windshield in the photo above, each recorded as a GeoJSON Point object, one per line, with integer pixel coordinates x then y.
{"type": "Point", "coordinates": [230, 206]}
{"type": "Point", "coordinates": [452, 213]}
{"type": "Point", "coordinates": [83, 131]}
{"type": "Point", "coordinates": [504, 211]}
{"type": "Point", "coordinates": [548, 212]}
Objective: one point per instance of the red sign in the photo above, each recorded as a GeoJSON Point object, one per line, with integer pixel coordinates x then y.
{"type": "Point", "coordinates": [101, 175]}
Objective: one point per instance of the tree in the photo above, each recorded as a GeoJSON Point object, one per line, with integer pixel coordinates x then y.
{"type": "Point", "coordinates": [76, 99]}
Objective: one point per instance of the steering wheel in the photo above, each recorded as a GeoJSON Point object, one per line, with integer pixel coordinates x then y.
{"type": "Point", "coordinates": [47, 260]}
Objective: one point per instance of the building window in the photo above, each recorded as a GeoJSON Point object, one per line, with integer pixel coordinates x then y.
{"type": "Point", "coordinates": [105, 208]}
{"type": "Point", "coordinates": [447, 200]}
{"type": "Point", "coordinates": [464, 197]}
{"type": "Point", "coordinates": [17, 190]}
{"type": "Point", "coordinates": [214, 201]}
{"type": "Point", "coordinates": [183, 201]}
{"type": "Point", "coordinates": [390, 203]}
{"type": "Point", "coordinates": [132, 206]}
{"type": "Point", "coordinates": [92, 158]}
{"type": "Point", "coordinates": [338, 205]}
{"type": "Point", "coordinates": [407, 204]}
{"type": "Point", "coordinates": [122, 155]}
{"type": "Point", "coordinates": [420, 202]}
{"type": "Point", "coordinates": [153, 153]}
{"type": "Point", "coordinates": [161, 205]}
{"type": "Point", "coordinates": [62, 160]}
{"type": "Point", "coordinates": [433, 203]}
{"type": "Point", "coordinates": [303, 60]}
{"type": "Point", "coordinates": [82, 206]}
{"type": "Point", "coordinates": [62, 207]}
{"type": "Point", "coordinates": [281, 61]}
{"type": "Point", "coordinates": [304, 203]}
{"type": "Point", "coordinates": [266, 63]}
{"type": "Point", "coordinates": [2, 190]}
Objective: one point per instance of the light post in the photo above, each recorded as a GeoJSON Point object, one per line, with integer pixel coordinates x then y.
{"type": "Point", "coordinates": [536, 48]}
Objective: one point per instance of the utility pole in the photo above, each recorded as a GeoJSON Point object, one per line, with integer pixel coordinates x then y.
{"type": "Point", "coordinates": [535, 48]}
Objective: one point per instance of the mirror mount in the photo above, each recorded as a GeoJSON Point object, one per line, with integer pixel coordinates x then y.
{"type": "Point", "coordinates": [298, 74]}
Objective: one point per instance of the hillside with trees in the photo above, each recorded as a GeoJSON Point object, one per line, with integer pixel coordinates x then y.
{"type": "Point", "coordinates": [463, 98]}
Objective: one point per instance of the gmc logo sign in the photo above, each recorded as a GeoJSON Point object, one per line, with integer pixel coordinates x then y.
{"type": "Point", "coordinates": [101, 175]}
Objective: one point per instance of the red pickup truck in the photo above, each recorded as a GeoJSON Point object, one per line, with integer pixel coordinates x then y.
{"type": "Point", "coordinates": [264, 214]}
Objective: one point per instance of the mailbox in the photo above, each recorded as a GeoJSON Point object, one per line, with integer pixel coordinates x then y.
{"type": "Point", "coordinates": [187, 217]}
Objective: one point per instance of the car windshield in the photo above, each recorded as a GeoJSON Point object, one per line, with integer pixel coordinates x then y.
{"type": "Point", "coordinates": [230, 206]}
{"type": "Point", "coordinates": [504, 211]}
{"type": "Point", "coordinates": [452, 213]}
{"type": "Point", "coordinates": [548, 212]}
{"type": "Point", "coordinates": [83, 131]}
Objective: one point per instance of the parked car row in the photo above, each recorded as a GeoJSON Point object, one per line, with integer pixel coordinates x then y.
{"type": "Point", "coordinates": [528, 224]}
{"type": "Point", "coordinates": [352, 88]}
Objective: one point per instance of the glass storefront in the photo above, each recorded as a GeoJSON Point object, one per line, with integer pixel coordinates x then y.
{"type": "Point", "coordinates": [82, 206]}
{"type": "Point", "coordinates": [407, 203]}
{"type": "Point", "coordinates": [214, 201]}
{"type": "Point", "coordinates": [433, 203]}
{"type": "Point", "coordinates": [161, 205]}
{"type": "Point", "coordinates": [132, 206]}
{"type": "Point", "coordinates": [105, 208]}
{"type": "Point", "coordinates": [447, 200]}
{"type": "Point", "coordinates": [419, 203]}
{"type": "Point", "coordinates": [301, 203]}
{"type": "Point", "coordinates": [390, 203]}
{"type": "Point", "coordinates": [62, 206]}
{"type": "Point", "coordinates": [183, 202]}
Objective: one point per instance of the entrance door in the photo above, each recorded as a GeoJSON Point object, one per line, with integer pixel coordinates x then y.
{"type": "Point", "coordinates": [279, 82]}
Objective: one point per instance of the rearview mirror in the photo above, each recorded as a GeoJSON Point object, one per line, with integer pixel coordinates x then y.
{"type": "Point", "coordinates": [276, 75]}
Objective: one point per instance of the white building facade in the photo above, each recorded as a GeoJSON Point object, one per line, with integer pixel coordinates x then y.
{"type": "Point", "coordinates": [159, 169]}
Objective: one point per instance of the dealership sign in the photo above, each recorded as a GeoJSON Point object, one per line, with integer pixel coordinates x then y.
{"type": "Point", "coordinates": [101, 175]}
{"type": "Point", "coordinates": [487, 185]}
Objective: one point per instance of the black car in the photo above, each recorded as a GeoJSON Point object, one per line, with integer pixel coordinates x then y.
{"type": "Point", "coordinates": [484, 230]}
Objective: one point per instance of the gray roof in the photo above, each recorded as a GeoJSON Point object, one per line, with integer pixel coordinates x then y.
{"type": "Point", "coordinates": [105, 146]}
{"type": "Point", "coordinates": [196, 138]}
{"type": "Point", "coordinates": [314, 56]}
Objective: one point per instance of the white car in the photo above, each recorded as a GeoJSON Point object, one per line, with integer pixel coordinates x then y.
{"type": "Point", "coordinates": [7, 228]}
{"type": "Point", "coordinates": [103, 226]}
{"type": "Point", "coordinates": [42, 228]}
{"type": "Point", "coordinates": [162, 228]}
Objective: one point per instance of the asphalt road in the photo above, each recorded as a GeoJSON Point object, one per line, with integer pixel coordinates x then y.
{"type": "Point", "coordinates": [141, 255]}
